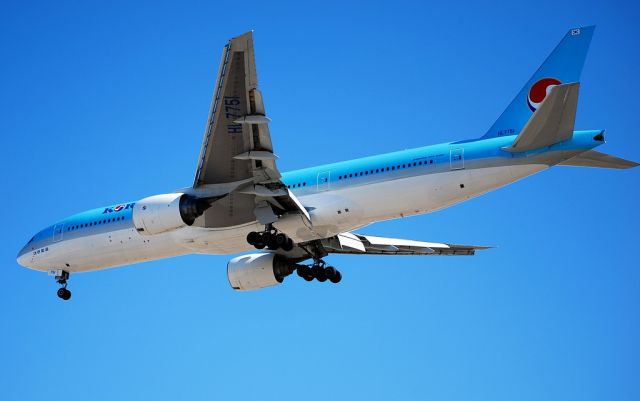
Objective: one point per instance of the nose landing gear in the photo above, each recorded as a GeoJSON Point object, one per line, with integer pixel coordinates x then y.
{"type": "Point", "coordinates": [61, 277]}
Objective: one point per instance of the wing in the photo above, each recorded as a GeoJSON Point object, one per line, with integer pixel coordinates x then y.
{"type": "Point", "coordinates": [236, 158]}
{"type": "Point", "coordinates": [236, 144]}
{"type": "Point", "coordinates": [357, 244]}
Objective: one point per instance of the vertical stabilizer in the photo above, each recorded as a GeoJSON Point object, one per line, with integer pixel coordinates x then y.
{"type": "Point", "coordinates": [563, 65]}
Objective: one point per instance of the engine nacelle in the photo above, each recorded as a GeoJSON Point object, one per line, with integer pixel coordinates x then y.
{"type": "Point", "coordinates": [258, 270]}
{"type": "Point", "coordinates": [161, 213]}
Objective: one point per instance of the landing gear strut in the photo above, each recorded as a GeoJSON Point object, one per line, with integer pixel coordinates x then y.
{"type": "Point", "coordinates": [61, 277]}
{"type": "Point", "coordinates": [271, 239]}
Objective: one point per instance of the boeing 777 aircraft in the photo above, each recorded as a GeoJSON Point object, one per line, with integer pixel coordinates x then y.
{"type": "Point", "coordinates": [239, 199]}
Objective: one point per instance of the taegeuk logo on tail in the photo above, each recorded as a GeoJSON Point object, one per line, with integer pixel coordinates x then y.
{"type": "Point", "coordinates": [539, 91]}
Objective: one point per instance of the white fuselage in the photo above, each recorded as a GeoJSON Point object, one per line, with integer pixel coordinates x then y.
{"type": "Point", "coordinates": [332, 211]}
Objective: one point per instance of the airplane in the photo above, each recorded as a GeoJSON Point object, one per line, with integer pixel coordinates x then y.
{"type": "Point", "coordinates": [240, 201]}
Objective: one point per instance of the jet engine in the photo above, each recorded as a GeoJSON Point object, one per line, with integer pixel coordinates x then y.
{"type": "Point", "coordinates": [258, 270]}
{"type": "Point", "coordinates": [161, 213]}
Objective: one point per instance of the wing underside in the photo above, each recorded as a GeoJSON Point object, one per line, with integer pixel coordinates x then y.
{"type": "Point", "coordinates": [358, 244]}
{"type": "Point", "coordinates": [349, 243]}
{"type": "Point", "coordinates": [237, 152]}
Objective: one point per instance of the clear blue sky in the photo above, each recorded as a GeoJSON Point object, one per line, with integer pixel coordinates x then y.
{"type": "Point", "coordinates": [104, 102]}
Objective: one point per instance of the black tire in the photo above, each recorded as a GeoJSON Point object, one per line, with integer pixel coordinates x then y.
{"type": "Point", "coordinates": [281, 240]}
{"type": "Point", "coordinates": [253, 238]}
{"type": "Point", "coordinates": [272, 245]}
{"type": "Point", "coordinates": [330, 272]}
{"type": "Point", "coordinates": [265, 238]}
{"type": "Point", "coordinates": [269, 240]}
{"type": "Point", "coordinates": [288, 246]}
{"type": "Point", "coordinates": [63, 293]}
{"type": "Point", "coordinates": [303, 271]}
{"type": "Point", "coordinates": [318, 273]}
{"type": "Point", "coordinates": [336, 279]}
{"type": "Point", "coordinates": [259, 245]}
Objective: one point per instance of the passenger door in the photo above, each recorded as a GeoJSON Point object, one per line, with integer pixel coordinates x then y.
{"type": "Point", "coordinates": [457, 158]}
{"type": "Point", "coordinates": [323, 180]}
{"type": "Point", "coordinates": [58, 231]}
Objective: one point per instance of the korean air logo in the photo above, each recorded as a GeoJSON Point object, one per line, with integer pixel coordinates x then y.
{"type": "Point", "coordinates": [118, 208]}
{"type": "Point", "coordinates": [539, 91]}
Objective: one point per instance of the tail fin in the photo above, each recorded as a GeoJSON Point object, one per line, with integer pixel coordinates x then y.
{"type": "Point", "coordinates": [563, 65]}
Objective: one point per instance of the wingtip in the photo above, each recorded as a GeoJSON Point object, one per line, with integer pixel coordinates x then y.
{"type": "Point", "coordinates": [247, 33]}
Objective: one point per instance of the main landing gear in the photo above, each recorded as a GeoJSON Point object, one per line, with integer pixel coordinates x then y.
{"type": "Point", "coordinates": [271, 239]}
{"type": "Point", "coordinates": [320, 272]}
{"type": "Point", "coordinates": [61, 277]}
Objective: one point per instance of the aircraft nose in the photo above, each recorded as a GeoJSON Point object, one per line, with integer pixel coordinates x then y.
{"type": "Point", "coordinates": [23, 258]}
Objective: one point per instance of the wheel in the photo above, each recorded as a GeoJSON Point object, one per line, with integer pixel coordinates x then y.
{"type": "Point", "coordinates": [281, 240]}
{"type": "Point", "coordinates": [259, 245]}
{"type": "Point", "coordinates": [305, 273]}
{"type": "Point", "coordinates": [269, 240]}
{"type": "Point", "coordinates": [63, 293]}
{"type": "Point", "coordinates": [330, 272]}
{"type": "Point", "coordinates": [265, 237]}
{"type": "Point", "coordinates": [318, 273]}
{"type": "Point", "coordinates": [272, 245]}
{"type": "Point", "coordinates": [253, 238]}
{"type": "Point", "coordinates": [336, 278]}
{"type": "Point", "coordinates": [289, 245]}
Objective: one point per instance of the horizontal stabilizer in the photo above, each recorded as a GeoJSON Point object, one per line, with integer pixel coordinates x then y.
{"type": "Point", "coordinates": [591, 158]}
{"type": "Point", "coordinates": [552, 122]}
